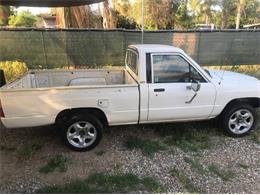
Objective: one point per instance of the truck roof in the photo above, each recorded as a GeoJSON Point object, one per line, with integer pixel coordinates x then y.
{"type": "Point", "coordinates": [149, 48]}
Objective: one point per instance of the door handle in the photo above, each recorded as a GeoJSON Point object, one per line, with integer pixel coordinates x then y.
{"type": "Point", "coordinates": [159, 90]}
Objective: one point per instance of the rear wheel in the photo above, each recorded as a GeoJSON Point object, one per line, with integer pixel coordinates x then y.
{"type": "Point", "coordinates": [239, 119]}
{"type": "Point", "coordinates": [82, 132]}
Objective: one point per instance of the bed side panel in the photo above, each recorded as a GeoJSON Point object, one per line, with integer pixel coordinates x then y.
{"type": "Point", "coordinates": [40, 107]}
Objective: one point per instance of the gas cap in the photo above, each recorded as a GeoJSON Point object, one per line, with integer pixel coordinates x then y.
{"type": "Point", "coordinates": [103, 103]}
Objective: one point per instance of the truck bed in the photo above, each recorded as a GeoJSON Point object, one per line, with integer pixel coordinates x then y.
{"type": "Point", "coordinates": [39, 96]}
{"type": "Point", "coordinates": [69, 78]}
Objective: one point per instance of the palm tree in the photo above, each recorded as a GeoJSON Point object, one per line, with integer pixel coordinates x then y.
{"type": "Point", "coordinates": [227, 8]}
{"type": "Point", "coordinates": [194, 5]}
{"type": "Point", "coordinates": [206, 10]}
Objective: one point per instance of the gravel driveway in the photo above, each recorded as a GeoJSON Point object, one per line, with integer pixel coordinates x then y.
{"type": "Point", "coordinates": [225, 165]}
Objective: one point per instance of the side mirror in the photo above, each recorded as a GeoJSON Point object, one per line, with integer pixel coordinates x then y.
{"type": "Point", "coordinates": [195, 86]}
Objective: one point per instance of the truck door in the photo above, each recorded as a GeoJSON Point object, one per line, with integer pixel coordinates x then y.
{"type": "Point", "coordinates": [170, 92]}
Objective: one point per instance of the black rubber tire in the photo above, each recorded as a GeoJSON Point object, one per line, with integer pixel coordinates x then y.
{"type": "Point", "coordinates": [82, 117]}
{"type": "Point", "coordinates": [229, 111]}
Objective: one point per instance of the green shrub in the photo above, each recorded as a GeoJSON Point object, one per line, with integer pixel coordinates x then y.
{"type": "Point", "coordinates": [13, 69]}
{"type": "Point", "coordinates": [24, 19]}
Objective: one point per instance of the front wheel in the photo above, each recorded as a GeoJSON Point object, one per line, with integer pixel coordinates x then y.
{"type": "Point", "coordinates": [239, 120]}
{"type": "Point", "coordinates": [82, 132]}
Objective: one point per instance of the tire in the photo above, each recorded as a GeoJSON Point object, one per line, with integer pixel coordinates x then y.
{"type": "Point", "coordinates": [82, 132]}
{"type": "Point", "coordinates": [238, 119]}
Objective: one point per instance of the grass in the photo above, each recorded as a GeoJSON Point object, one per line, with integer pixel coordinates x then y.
{"type": "Point", "coordinates": [188, 137]}
{"type": "Point", "coordinates": [255, 136]}
{"type": "Point", "coordinates": [225, 175]}
{"type": "Point", "coordinates": [185, 181]}
{"type": "Point", "coordinates": [195, 165]}
{"type": "Point", "coordinates": [106, 184]}
{"type": "Point", "coordinates": [243, 166]}
{"type": "Point", "coordinates": [148, 147]}
{"type": "Point", "coordinates": [7, 148]}
{"type": "Point", "coordinates": [57, 162]}
{"type": "Point", "coordinates": [26, 152]}
{"type": "Point", "coordinates": [100, 153]}
{"type": "Point", "coordinates": [152, 185]}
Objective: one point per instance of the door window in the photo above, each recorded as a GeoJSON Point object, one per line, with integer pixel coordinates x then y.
{"type": "Point", "coordinates": [174, 69]}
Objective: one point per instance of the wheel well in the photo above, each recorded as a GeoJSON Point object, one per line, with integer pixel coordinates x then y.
{"type": "Point", "coordinates": [66, 114]}
{"type": "Point", "coordinates": [254, 102]}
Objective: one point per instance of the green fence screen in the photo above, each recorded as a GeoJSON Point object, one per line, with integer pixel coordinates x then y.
{"type": "Point", "coordinates": [59, 48]}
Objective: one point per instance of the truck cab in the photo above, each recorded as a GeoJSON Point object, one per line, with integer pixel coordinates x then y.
{"type": "Point", "coordinates": [166, 77]}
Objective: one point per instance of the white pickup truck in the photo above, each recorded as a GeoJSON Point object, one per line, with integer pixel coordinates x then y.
{"type": "Point", "coordinates": [158, 84]}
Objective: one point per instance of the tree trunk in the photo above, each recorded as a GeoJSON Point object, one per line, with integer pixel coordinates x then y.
{"type": "Point", "coordinates": [106, 14]}
{"type": "Point", "coordinates": [224, 19]}
{"type": "Point", "coordinates": [238, 16]}
{"type": "Point", "coordinates": [109, 17]}
{"type": "Point", "coordinates": [240, 8]}
{"type": "Point", "coordinates": [4, 15]}
{"type": "Point", "coordinates": [77, 17]}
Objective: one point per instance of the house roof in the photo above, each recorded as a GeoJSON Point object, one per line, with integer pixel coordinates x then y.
{"type": "Point", "coordinates": [48, 3]}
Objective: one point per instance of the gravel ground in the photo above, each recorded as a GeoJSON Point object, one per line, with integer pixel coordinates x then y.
{"type": "Point", "coordinates": [238, 151]}
{"type": "Point", "coordinates": [21, 175]}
